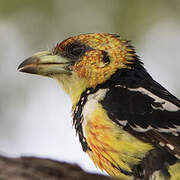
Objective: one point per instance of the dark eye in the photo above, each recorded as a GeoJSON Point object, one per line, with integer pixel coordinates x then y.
{"type": "Point", "coordinates": [105, 59]}
{"type": "Point", "coordinates": [75, 50]}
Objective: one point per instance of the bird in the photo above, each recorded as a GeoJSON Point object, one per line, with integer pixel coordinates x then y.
{"type": "Point", "coordinates": [127, 123]}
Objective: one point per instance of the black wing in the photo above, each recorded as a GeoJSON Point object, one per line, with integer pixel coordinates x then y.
{"type": "Point", "coordinates": [148, 111]}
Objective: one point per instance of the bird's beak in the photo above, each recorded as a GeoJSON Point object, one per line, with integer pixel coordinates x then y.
{"type": "Point", "coordinates": [46, 64]}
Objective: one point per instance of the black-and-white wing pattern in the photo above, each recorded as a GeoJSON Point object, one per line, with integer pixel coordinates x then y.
{"type": "Point", "coordinates": [147, 111]}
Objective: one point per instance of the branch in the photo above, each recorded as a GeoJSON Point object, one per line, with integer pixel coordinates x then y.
{"type": "Point", "coordinates": [33, 168]}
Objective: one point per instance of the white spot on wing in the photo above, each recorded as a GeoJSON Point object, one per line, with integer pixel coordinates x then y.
{"type": "Point", "coordinates": [165, 104]}
{"type": "Point", "coordinates": [177, 156]}
{"type": "Point", "coordinates": [123, 122]}
{"type": "Point", "coordinates": [161, 144]}
{"type": "Point", "coordinates": [140, 129]}
{"type": "Point", "coordinates": [88, 91]}
{"type": "Point", "coordinates": [171, 147]}
{"type": "Point", "coordinates": [167, 130]}
{"type": "Point", "coordinates": [177, 127]}
{"type": "Point", "coordinates": [160, 108]}
{"type": "Point", "coordinates": [175, 134]}
{"type": "Point", "coordinates": [118, 85]}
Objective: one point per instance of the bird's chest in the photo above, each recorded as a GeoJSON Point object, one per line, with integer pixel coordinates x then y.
{"type": "Point", "coordinates": [103, 138]}
{"type": "Point", "coordinates": [108, 145]}
{"type": "Point", "coordinates": [88, 104]}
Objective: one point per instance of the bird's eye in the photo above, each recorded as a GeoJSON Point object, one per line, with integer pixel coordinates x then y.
{"type": "Point", "coordinates": [75, 50]}
{"type": "Point", "coordinates": [105, 59]}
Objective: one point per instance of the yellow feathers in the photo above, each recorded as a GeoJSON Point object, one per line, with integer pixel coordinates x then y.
{"type": "Point", "coordinates": [112, 147]}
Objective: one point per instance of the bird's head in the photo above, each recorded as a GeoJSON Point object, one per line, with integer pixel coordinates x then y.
{"type": "Point", "coordinates": [82, 61]}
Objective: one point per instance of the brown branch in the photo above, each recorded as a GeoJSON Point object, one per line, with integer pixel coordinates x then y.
{"type": "Point", "coordinates": [33, 168]}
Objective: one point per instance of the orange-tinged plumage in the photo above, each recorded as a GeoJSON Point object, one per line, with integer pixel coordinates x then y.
{"type": "Point", "coordinates": [91, 67]}
{"type": "Point", "coordinates": [111, 147]}
{"type": "Point", "coordinates": [126, 121]}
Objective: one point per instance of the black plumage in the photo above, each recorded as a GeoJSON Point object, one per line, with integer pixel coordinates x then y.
{"type": "Point", "coordinates": [145, 117]}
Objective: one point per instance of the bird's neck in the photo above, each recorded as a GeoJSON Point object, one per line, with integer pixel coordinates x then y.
{"type": "Point", "coordinates": [73, 86]}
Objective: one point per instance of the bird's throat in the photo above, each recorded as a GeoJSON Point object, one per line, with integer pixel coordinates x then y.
{"type": "Point", "coordinates": [73, 86]}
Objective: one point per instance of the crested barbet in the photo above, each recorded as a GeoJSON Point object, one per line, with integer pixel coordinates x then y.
{"type": "Point", "coordinates": [127, 123]}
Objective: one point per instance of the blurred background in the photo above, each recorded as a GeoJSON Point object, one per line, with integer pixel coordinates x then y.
{"type": "Point", "coordinates": [35, 113]}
